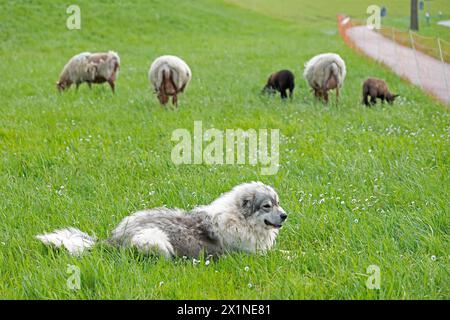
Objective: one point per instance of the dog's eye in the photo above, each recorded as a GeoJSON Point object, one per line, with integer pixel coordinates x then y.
{"type": "Point", "coordinates": [267, 206]}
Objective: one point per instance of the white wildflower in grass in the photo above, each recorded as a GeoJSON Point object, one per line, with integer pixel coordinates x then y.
{"type": "Point", "coordinates": [433, 258]}
{"type": "Point", "coordinates": [356, 221]}
{"type": "Point", "coordinates": [342, 202]}
{"type": "Point", "coordinates": [161, 283]}
{"type": "Point", "coordinates": [207, 262]}
{"type": "Point", "coordinates": [250, 285]}
{"type": "Point", "coordinates": [246, 268]}
{"type": "Point", "coordinates": [151, 193]}
{"type": "Point", "coordinates": [195, 261]}
{"type": "Point", "coordinates": [60, 191]}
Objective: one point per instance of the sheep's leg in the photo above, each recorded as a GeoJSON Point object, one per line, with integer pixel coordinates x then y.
{"type": "Point", "coordinates": [337, 95]}
{"type": "Point", "coordinates": [162, 94]}
{"type": "Point", "coordinates": [325, 96]}
{"type": "Point", "coordinates": [76, 86]}
{"type": "Point", "coordinates": [366, 99]}
{"type": "Point", "coordinates": [317, 94]}
{"type": "Point", "coordinates": [291, 93]}
{"type": "Point", "coordinates": [382, 99]}
{"type": "Point", "coordinates": [283, 94]}
{"type": "Point", "coordinates": [90, 85]}
{"type": "Point", "coordinates": [373, 100]}
{"type": "Point", "coordinates": [175, 100]}
{"type": "Point", "coordinates": [111, 84]}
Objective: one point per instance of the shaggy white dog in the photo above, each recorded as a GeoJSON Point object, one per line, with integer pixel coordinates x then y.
{"type": "Point", "coordinates": [169, 75]}
{"type": "Point", "coordinates": [247, 218]}
{"type": "Point", "coordinates": [325, 72]}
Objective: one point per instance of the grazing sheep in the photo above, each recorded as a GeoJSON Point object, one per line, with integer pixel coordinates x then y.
{"type": "Point", "coordinates": [281, 81]}
{"type": "Point", "coordinates": [325, 72]}
{"type": "Point", "coordinates": [377, 88]}
{"type": "Point", "coordinates": [91, 68]}
{"type": "Point", "coordinates": [169, 75]}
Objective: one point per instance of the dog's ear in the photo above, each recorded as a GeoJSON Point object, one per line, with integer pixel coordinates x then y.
{"type": "Point", "coordinates": [248, 205]}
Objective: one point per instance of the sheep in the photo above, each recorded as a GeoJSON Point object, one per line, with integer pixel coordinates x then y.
{"type": "Point", "coordinates": [169, 75]}
{"type": "Point", "coordinates": [281, 81]}
{"type": "Point", "coordinates": [91, 68]}
{"type": "Point", "coordinates": [377, 88]}
{"type": "Point", "coordinates": [325, 72]}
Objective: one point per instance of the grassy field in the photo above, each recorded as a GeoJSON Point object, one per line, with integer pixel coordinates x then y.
{"type": "Point", "coordinates": [322, 13]}
{"type": "Point", "coordinates": [361, 186]}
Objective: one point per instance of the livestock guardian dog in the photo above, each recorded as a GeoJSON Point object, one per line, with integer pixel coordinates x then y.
{"type": "Point", "coordinates": [247, 218]}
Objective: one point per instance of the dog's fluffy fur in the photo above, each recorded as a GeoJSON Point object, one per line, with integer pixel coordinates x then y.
{"type": "Point", "coordinates": [247, 219]}
{"type": "Point", "coordinates": [91, 68]}
{"type": "Point", "coordinates": [169, 75]}
{"type": "Point", "coordinates": [325, 72]}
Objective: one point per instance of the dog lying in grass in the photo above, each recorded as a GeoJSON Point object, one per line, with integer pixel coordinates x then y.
{"type": "Point", "coordinates": [247, 219]}
{"type": "Point", "coordinates": [280, 81]}
{"type": "Point", "coordinates": [377, 89]}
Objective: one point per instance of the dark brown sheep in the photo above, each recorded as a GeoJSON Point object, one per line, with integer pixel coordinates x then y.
{"type": "Point", "coordinates": [377, 89]}
{"type": "Point", "coordinates": [281, 81]}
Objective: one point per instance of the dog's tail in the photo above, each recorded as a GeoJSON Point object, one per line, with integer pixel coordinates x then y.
{"type": "Point", "coordinates": [74, 240]}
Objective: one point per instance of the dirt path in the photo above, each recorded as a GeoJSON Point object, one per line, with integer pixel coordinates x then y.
{"type": "Point", "coordinates": [422, 70]}
{"type": "Point", "coordinates": [445, 23]}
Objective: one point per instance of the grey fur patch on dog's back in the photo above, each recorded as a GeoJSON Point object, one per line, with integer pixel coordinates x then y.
{"type": "Point", "coordinates": [188, 234]}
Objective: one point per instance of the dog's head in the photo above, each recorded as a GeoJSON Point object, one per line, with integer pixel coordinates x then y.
{"type": "Point", "coordinates": [260, 204]}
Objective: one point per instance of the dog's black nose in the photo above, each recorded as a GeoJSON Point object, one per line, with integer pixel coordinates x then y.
{"type": "Point", "coordinates": [283, 216]}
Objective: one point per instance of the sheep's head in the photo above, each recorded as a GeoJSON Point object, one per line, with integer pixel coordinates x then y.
{"type": "Point", "coordinates": [391, 98]}
{"type": "Point", "coordinates": [61, 86]}
{"type": "Point", "coordinates": [163, 98]}
{"type": "Point", "coordinates": [268, 89]}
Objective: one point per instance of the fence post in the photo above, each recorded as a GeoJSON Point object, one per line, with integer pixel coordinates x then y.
{"type": "Point", "coordinates": [415, 57]}
{"type": "Point", "coordinates": [444, 67]}
{"type": "Point", "coordinates": [395, 45]}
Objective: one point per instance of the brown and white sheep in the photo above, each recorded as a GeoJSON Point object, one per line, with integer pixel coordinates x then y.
{"type": "Point", "coordinates": [169, 75]}
{"type": "Point", "coordinates": [90, 68]}
{"type": "Point", "coordinates": [325, 72]}
{"type": "Point", "coordinates": [377, 89]}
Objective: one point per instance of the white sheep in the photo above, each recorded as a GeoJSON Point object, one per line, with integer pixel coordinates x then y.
{"type": "Point", "coordinates": [91, 68]}
{"type": "Point", "coordinates": [169, 75]}
{"type": "Point", "coordinates": [325, 72]}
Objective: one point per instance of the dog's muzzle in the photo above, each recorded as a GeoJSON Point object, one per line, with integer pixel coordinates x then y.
{"type": "Point", "coordinates": [283, 217]}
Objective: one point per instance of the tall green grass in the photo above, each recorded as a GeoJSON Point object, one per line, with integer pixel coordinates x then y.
{"type": "Point", "coordinates": [361, 186]}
